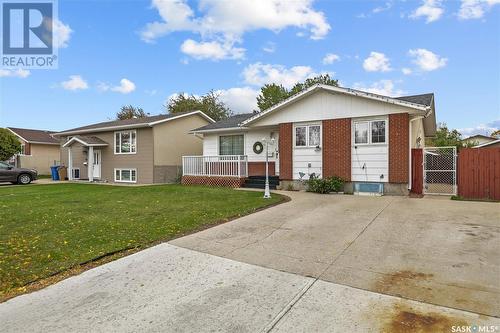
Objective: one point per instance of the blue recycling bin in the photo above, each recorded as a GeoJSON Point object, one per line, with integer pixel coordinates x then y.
{"type": "Point", "coordinates": [55, 174]}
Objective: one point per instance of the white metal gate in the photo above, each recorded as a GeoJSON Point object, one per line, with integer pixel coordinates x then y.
{"type": "Point", "coordinates": [440, 170]}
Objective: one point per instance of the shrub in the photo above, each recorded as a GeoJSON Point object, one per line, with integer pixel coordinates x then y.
{"type": "Point", "coordinates": [325, 185]}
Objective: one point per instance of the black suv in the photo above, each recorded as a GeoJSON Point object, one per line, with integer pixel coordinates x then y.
{"type": "Point", "coordinates": [8, 173]}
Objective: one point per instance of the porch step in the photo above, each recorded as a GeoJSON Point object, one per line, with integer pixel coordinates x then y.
{"type": "Point", "coordinates": [260, 182]}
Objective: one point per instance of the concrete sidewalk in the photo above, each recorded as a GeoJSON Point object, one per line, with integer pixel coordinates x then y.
{"type": "Point", "coordinates": [170, 289]}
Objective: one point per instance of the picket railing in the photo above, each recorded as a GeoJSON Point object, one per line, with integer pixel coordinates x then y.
{"type": "Point", "coordinates": [215, 166]}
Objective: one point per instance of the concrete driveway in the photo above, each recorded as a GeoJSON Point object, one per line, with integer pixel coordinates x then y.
{"type": "Point", "coordinates": [317, 263]}
{"type": "Point", "coordinates": [433, 250]}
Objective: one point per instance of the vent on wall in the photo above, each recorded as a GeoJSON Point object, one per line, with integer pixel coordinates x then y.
{"type": "Point", "coordinates": [369, 188]}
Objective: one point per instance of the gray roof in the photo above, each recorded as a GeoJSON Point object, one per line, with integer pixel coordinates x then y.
{"type": "Point", "coordinates": [33, 135]}
{"type": "Point", "coordinates": [134, 121]}
{"type": "Point", "coordinates": [230, 122]}
{"type": "Point", "coordinates": [91, 140]}
{"type": "Point", "coordinates": [423, 99]}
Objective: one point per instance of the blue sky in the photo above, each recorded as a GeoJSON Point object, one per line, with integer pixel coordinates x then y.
{"type": "Point", "coordinates": [114, 53]}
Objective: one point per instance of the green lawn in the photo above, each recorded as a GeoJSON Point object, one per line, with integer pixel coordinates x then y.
{"type": "Point", "coordinates": [46, 229]}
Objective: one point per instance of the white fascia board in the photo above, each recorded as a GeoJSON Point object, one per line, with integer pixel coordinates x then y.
{"type": "Point", "coordinates": [348, 91]}
{"type": "Point", "coordinates": [487, 143]}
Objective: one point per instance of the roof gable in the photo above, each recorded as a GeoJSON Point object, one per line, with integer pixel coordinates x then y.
{"type": "Point", "coordinates": [346, 91]}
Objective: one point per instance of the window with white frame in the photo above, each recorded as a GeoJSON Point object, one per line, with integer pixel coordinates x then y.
{"type": "Point", "coordinates": [307, 136]}
{"type": "Point", "coordinates": [126, 175]}
{"type": "Point", "coordinates": [23, 149]}
{"type": "Point", "coordinates": [76, 173]}
{"type": "Point", "coordinates": [231, 145]}
{"type": "Point", "coordinates": [126, 142]}
{"type": "Point", "coordinates": [370, 132]}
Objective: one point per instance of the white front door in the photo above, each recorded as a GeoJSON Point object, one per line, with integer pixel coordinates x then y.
{"type": "Point", "coordinates": [97, 164]}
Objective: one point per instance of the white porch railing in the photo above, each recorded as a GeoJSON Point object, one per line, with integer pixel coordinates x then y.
{"type": "Point", "coordinates": [217, 165]}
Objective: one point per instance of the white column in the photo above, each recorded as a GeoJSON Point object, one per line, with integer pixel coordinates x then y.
{"type": "Point", "coordinates": [90, 164]}
{"type": "Point", "coordinates": [70, 164]}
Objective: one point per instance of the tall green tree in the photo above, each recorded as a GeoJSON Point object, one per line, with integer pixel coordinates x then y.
{"type": "Point", "coordinates": [446, 137]}
{"type": "Point", "coordinates": [272, 94]}
{"type": "Point", "coordinates": [9, 144]}
{"type": "Point", "coordinates": [320, 79]}
{"type": "Point", "coordinates": [210, 104]}
{"type": "Point", "coordinates": [130, 112]}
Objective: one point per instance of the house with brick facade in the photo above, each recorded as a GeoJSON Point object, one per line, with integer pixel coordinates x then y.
{"type": "Point", "coordinates": [364, 138]}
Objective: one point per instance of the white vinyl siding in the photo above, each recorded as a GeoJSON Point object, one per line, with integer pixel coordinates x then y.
{"type": "Point", "coordinates": [126, 175]}
{"type": "Point", "coordinates": [369, 160]}
{"type": "Point", "coordinates": [307, 159]}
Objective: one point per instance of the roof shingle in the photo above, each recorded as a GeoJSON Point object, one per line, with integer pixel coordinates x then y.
{"type": "Point", "coordinates": [230, 122]}
{"type": "Point", "coordinates": [33, 135]}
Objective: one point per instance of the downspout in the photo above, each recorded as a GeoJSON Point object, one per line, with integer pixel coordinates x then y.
{"type": "Point", "coordinates": [409, 150]}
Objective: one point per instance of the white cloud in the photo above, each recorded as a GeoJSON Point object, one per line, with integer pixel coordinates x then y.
{"type": "Point", "coordinates": [484, 129]}
{"type": "Point", "coordinates": [126, 86]}
{"type": "Point", "coordinates": [385, 7]}
{"type": "Point", "coordinates": [377, 62]}
{"type": "Point", "coordinates": [475, 9]}
{"type": "Point", "coordinates": [427, 60]}
{"type": "Point", "coordinates": [240, 100]}
{"type": "Point", "coordinates": [151, 92]}
{"type": "Point", "coordinates": [75, 82]}
{"type": "Point", "coordinates": [330, 58]}
{"type": "Point", "coordinates": [20, 73]}
{"type": "Point", "coordinates": [228, 21]}
{"type": "Point", "coordinates": [382, 87]}
{"type": "Point", "coordinates": [432, 10]}
{"type": "Point", "coordinates": [270, 47]}
{"type": "Point", "coordinates": [62, 34]}
{"type": "Point", "coordinates": [258, 74]}
{"type": "Point", "coordinates": [211, 50]}
{"type": "Point", "coordinates": [406, 71]}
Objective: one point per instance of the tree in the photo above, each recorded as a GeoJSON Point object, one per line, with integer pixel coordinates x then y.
{"type": "Point", "coordinates": [272, 94]}
{"type": "Point", "coordinates": [320, 79]}
{"type": "Point", "coordinates": [445, 137]}
{"type": "Point", "coordinates": [9, 144]}
{"type": "Point", "coordinates": [496, 133]}
{"type": "Point", "coordinates": [210, 104]}
{"type": "Point", "coordinates": [130, 112]}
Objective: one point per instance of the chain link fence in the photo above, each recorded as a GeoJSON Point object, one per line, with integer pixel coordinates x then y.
{"type": "Point", "coordinates": [440, 170]}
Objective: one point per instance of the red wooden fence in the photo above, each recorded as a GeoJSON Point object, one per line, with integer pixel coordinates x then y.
{"type": "Point", "coordinates": [417, 171]}
{"type": "Point", "coordinates": [479, 173]}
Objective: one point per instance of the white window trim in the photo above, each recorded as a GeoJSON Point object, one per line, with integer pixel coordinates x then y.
{"type": "Point", "coordinates": [370, 121]}
{"type": "Point", "coordinates": [125, 131]}
{"type": "Point", "coordinates": [23, 150]}
{"type": "Point", "coordinates": [232, 134]}
{"type": "Point", "coordinates": [125, 181]}
{"type": "Point", "coordinates": [73, 174]}
{"type": "Point", "coordinates": [307, 146]}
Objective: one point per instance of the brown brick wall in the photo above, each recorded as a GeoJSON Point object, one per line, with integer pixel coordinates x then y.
{"type": "Point", "coordinates": [285, 150]}
{"type": "Point", "coordinates": [398, 148]}
{"type": "Point", "coordinates": [337, 148]}
{"type": "Point", "coordinates": [213, 181]}
{"type": "Point", "coordinates": [259, 168]}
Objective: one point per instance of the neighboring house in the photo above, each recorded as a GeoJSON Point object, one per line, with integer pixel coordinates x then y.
{"type": "Point", "coordinates": [140, 150]}
{"type": "Point", "coordinates": [490, 144]}
{"type": "Point", "coordinates": [325, 130]}
{"type": "Point", "coordinates": [39, 149]}
{"type": "Point", "coordinates": [477, 140]}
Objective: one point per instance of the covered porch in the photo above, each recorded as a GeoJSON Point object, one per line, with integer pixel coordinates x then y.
{"type": "Point", "coordinates": [91, 145]}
